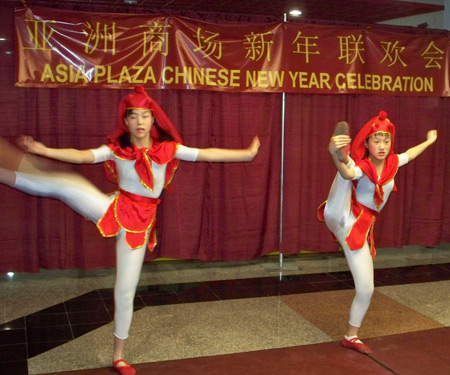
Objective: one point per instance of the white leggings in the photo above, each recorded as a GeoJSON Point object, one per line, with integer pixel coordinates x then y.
{"type": "Point", "coordinates": [88, 201]}
{"type": "Point", "coordinates": [339, 220]}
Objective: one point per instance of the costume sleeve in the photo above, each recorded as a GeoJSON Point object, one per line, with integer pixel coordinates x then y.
{"type": "Point", "coordinates": [358, 173]}
{"type": "Point", "coordinates": [102, 153]}
{"type": "Point", "coordinates": [403, 159]}
{"type": "Point", "coordinates": [186, 153]}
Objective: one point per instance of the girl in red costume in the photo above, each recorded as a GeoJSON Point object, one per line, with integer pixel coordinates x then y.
{"type": "Point", "coordinates": [142, 165]}
{"type": "Point", "coordinates": [359, 192]}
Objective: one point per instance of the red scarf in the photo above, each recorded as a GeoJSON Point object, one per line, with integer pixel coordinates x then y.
{"type": "Point", "coordinates": [159, 152]}
{"type": "Point", "coordinates": [389, 171]}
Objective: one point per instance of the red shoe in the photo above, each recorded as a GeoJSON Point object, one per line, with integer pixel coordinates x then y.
{"type": "Point", "coordinates": [127, 369]}
{"type": "Point", "coordinates": [342, 128]}
{"type": "Point", "coordinates": [355, 345]}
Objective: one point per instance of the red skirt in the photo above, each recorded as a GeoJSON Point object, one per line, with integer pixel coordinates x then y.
{"type": "Point", "coordinates": [134, 213]}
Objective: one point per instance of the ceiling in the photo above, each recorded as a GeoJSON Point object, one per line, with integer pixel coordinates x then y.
{"type": "Point", "coordinates": [354, 11]}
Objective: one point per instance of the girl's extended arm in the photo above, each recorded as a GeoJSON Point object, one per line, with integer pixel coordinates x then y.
{"type": "Point", "coordinates": [227, 155]}
{"type": "Point", "coordinates": [69, 155]}
{"type": "Point", "coordinates": [336, 143]}
{"type": "Point", "coordinates": [414, 152]}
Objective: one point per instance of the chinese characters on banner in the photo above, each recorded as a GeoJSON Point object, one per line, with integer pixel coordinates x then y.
{"type": "Point", "coordinates": [103, 50]}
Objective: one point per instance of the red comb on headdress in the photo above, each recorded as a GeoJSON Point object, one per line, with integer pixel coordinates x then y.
{"type": "Point", "coordinates": [140, 100]}
{"type": "Point", "coordinates": [377, 124]}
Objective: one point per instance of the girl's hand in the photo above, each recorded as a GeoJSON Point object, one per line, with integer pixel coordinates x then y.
{"type": "Point", "coordinates": [254, 147]}
{"type": "Point", "coordinates": [337, 142]}
{"type": "Point", "coordinates": [28, 144]}
{"type": "Point", "coordinates": [432, 136]}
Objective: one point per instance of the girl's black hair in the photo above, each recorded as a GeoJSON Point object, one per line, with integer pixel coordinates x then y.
{"type": "Point", "coordinates": [125, 141]}
{"type": "Point", "coordinates": [163, 135]}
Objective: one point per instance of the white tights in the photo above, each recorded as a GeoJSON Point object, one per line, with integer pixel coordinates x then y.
{"type": "Point", "coordinates": [128, 269]}
{"type": "Point", "coordinates": [339, 220]}
{"type": "Point", "coordinates": [88, 201]}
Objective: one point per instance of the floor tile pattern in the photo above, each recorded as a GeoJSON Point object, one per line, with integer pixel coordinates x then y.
{"type": "Point", "coordinates": [389, 357]}
{"type": "Point", "coordinates": [408, 300]}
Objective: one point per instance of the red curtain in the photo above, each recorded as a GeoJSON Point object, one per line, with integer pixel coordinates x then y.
{"type": "Point", "coordinates": [218, 211]}
{"type": "Point", "coordinates": [225, 211]}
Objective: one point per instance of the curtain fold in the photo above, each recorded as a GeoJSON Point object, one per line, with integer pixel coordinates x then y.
{"type": "Point", "coordinates": [223, 211]}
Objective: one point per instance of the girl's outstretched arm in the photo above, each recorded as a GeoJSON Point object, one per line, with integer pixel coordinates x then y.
{"type": "Point", "coordinates": [337, 142]}
{"type": "Point", "coordinates": [228, 155]}
{"type": "Point", "coordinates": [414, 152]}
{"type": "Point", "coordinates": [69, 155]}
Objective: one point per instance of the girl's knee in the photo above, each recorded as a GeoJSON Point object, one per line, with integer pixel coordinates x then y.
{"type": "Point", "coordinates": [365, 292]}
{"type": "Point", "coordinates": [124, 298]}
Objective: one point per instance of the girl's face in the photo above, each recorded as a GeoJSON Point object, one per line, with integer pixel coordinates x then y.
{"type": "Point", "coordinates": [139, 123]}
{"type": "Point", "coordinates": [379, 146]}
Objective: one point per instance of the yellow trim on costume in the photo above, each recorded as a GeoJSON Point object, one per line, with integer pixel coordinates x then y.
{"type": "Point", "coordinates": [320, 206]}
{"type": "Point", "coordinates": [106, 235]}
{"type": "Point", "coordinates": [137, 247]}
{"type": "Point", "coordinates": [149, 109]}
{"type": "Point", "coordinates": [149, 162]}
{"type": "Point", "coordinates": [109, 167]}
{"type": "Point", "coordinates": [372, 221]}
{"type": "Point", "coordinates": [374, 203]}
{"type": "Point", "coordinates": [118, 157]}
{"type": "Point", "coordinates": [114, 201]}
{"type": "Point", "coordinates": [173, 174]}
{"type": "Point", "coordinates": [155, 243]}
{"type": "Point", "coordinates": [176, 166]}
{"type": "Point", "coordinates": [381, 131]}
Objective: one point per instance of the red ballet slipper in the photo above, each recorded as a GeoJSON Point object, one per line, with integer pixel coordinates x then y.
{"type": "Point", "coordinates": [127, 369]}
{"type": "Point", "coordinates": [355, 345]}
{"type": "Point", "coordinates": [342, 128]}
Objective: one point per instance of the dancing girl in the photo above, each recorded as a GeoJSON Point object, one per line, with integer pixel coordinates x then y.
{"type": "Point", "coordinates": [363, 183]}
{"type": "Point", "coordinates": [142, 164]}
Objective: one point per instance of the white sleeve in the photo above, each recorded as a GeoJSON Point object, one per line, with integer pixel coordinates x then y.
{"type": "Point", "coordinates": [403, 159]}
{"type": "Point", "coordinates": [102, 153]}
{"type": "Point", "coordinates": [186, 153]}
{"type": "Point", "coordinates": [358, 173]}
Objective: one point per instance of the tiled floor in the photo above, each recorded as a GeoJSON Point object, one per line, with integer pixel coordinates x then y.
{"type": "Point", "coordinates": [196, 316]}
{"type": "Point", "coordinates": [389, 357]}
